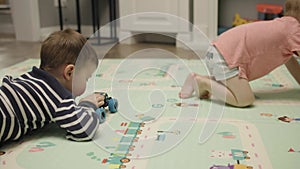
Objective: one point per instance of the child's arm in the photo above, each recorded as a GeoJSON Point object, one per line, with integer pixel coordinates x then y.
{"type": "Point", "coordinates": [80, 121]}
{"type": "Point", "coordinates": [96, 99]}
{"type": "Point", "coordinates": [294, 68]}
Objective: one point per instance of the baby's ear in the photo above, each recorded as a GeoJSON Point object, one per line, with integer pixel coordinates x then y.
{"type": "Point", "coordinates": [69, 71]}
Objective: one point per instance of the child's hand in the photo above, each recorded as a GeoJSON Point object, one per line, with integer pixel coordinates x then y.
{"type": "Point", "coordinates": [96, 98]}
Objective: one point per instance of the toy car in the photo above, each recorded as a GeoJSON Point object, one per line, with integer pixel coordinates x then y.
{"type": "Point", "coordinates": [109, 102]}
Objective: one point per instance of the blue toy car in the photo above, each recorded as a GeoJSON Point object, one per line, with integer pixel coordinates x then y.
{"type": "Point", "coordinates": [109, 102]}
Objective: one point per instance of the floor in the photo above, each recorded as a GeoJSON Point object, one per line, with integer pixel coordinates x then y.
{"type": "Point", "coordinates": [12, 51]}
{"type": "Point", "coordinates": [158, 127]}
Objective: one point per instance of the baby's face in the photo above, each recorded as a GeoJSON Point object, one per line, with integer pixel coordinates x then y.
{"type": "Point", "coordinates": [80, 79]}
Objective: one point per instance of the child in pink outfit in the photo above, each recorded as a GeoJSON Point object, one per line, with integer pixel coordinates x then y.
{"type": "Point", "coordinates": [246, 53]}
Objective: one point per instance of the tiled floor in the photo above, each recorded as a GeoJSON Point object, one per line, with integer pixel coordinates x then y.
{"type": "Point", "coordinates": [12, 51]}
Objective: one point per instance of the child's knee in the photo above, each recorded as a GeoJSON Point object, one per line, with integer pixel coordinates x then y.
{"type": "Point", "coordinates": [246, 101]}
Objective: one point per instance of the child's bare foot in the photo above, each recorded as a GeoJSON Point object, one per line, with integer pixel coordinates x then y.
{"type": "Point", "coordinates": [187, 89]}
{"type": "Point", "coordinates": [201, 87]}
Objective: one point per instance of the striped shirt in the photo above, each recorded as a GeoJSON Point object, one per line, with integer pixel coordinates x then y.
{"type": "Point", "coordinates": [36, 99]}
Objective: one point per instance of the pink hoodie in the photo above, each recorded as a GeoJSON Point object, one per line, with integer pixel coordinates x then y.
{"type": "Point", "coordinates": [258, 48]}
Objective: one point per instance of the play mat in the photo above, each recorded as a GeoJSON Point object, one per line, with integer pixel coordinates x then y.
{"type": "Point", "coordinates": [154, 129]}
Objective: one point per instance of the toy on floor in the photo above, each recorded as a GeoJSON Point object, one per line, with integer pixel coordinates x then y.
{"type": "Point", "coordinates": [109, 102]}
{"type": "Point", "coordinates": [265, 12]}
{"type": "Point", "coordinates": [269, 11]}
{"type": "Point", "coordinates": [238, 20]}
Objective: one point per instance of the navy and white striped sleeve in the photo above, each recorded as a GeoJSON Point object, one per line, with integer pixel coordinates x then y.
{"type": "Point", "coordinates": [36, 99]}
{"type": "Point", "coordinates": [81, 123]}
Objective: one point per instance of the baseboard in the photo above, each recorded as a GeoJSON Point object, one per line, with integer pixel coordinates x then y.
{"type": "Point", "coordinates": [191, 41]}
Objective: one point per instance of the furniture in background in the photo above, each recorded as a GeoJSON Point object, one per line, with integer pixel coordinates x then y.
{"type": "Point", "coordinates": [254, 10]}
{"type": "Point", "coordinates": [95, 21]}
{"type": "Point", "coordinates": [60, 13]}
{"type": "Point", "coordinates": [144, 16]}
{"type": "Point", "coordinates": [4, 4]}
{"type": "Point", "coordinates": [112, 37]}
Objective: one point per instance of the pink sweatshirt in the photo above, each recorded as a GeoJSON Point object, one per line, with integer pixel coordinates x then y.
{"type": "Point", "coordinates": [258, 48]}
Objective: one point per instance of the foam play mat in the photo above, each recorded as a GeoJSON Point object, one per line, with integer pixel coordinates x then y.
{"type": "Point", "coordinates": [153, 128]}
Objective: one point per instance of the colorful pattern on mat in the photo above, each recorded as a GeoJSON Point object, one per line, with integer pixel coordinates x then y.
{"type": "Point", "coordinates": [159, 130]}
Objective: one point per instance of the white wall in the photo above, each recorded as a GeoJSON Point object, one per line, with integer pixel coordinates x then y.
{"type": "Point", "coordinates": [26, 19]}
{"type": "Point", "coordinates": [205, 16]}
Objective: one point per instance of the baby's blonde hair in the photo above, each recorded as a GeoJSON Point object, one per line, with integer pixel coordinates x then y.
{"type": "Point", "coordinates": [292, 8]}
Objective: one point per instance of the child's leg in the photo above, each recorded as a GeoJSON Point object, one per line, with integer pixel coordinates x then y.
{"type": "Point", "coordinates": [234, 91]}
{"type": "Point", "coordinates": [190, 86]}
{"type": "Point", "coordinates": [187, 89]}
{"type": "Point", "coordinates": [241, 90]}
